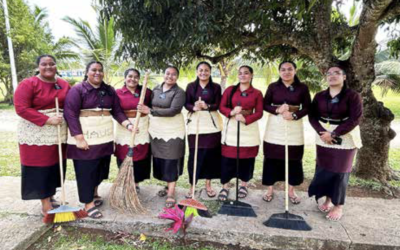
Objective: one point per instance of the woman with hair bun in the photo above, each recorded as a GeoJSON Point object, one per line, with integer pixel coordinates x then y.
{"type": "Point", "coordinates": [286, 101]}
{"type": "Point", "coordinates": [240, 103]}
{"type": "Point", "coordinates": [34, 101]}
{"type": "Point", "coordinates": [210, 125]}
{"type": "Point", "coordinates": [335, 115]}
{"type": "Point", "coordinates": [89, 109]}
{"type": "Point", "coordinates": [129, 96]}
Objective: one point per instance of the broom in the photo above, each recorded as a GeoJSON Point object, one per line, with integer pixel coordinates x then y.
{"type": "Point", "coordinates": [287, 220]}
{"type": "Point", "coordinates": [123, 194]}
{"type": "Point", "coordinates": [192, 205]}
{"type": "Point", "coordinates": [237, 208]}
{"type": "Point", "coordinates": [63, 213]}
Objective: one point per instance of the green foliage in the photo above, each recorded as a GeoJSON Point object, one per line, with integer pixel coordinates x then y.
{"type": "Point", "coordinates": [388, 76]}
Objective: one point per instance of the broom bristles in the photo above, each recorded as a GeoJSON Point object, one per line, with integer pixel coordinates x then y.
{"type": "Point", "coordinates": [64, 217]}
{"type": "Point", "coordinates": [123, 195]}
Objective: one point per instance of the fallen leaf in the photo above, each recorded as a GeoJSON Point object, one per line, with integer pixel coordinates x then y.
{"type": "Point", "coordinates": [59, 228]}
{"type": "Point", "coordinates": [49, 239]}
{"type": "Point", "coordinates": [142, 237]}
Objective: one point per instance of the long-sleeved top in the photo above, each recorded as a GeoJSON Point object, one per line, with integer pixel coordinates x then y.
{"type": "Point", "coordinates": [277, 94]}
{"type": "Point", "coordinates": [211, 95]}
{"type": "Point", "coordinates": [85, 96]}
{"type": "Point", "coordinates": [33, 94]}
{"type": "Point", "coordinates": [296, 95]}
{"type": "Point", "coordinates": [250, 99]}
{"type": "Point", "coordinates": [168, 103]}
{"type": "Point", "coordinates": [129, 101]}
{"type": "Point", "coordinates": [347, 104]}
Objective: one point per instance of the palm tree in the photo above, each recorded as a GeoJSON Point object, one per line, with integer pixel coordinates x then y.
{"type": "Point", "coordinates": [99, 44]}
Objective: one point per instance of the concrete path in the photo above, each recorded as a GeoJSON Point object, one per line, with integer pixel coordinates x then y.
{"type": "Point", "coordinates": [368, 223]}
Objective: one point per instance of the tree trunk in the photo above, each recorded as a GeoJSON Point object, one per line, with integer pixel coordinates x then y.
{"type": "Point", "coordinates": [224, 72]}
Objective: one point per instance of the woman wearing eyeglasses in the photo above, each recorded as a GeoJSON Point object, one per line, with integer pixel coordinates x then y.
{"type": "Point", "coordinates": [335, 114]}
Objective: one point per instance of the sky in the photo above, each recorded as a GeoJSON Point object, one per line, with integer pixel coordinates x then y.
{"type": "Point", "coordinates": [58, 9]}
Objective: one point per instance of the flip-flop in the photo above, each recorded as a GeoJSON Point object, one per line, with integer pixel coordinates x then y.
{"type": "Point", "coordinates": [326, 210]}
{"type": "Point", "coordinates": [94, 213]}
{"type": "Point", "coordinates": [243, 192]}
{"type": "Point", "coordinates": [223, 194]}
{"type": "Point", "coordinates": [294, 199]}
{"type": "Point", "coordinates": [170, 204]}
{"type": "Point", "coordinates": [268, 198]}
{"type": "Point", "coordinates": [211, 193]}
{"type": "Point", "coordinates": [163, 192]}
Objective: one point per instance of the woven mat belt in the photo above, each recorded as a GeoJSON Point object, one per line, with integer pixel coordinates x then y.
{"type": "Point", "coordinates": [246, 112]}
{"type": "Point", "coordinates": [132, 113]}
{"type": "Point", "coordinates": [87, 113]}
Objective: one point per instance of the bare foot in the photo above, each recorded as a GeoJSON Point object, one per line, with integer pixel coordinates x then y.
{"type": "Point", "coordinates": [326, 206]}
{"type": "Point", "coordinates": [335, 214]}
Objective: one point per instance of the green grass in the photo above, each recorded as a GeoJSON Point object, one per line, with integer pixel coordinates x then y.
{"type": "Point", "coordinates": [76, 238]}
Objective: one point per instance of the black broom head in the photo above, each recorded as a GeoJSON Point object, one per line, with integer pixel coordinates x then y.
{"type": "Point", "coordinates": [237, 208]}
{"type": "Point", "coordinates": [289, 221]}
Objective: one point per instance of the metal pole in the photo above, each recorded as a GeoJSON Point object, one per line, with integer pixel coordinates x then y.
{"type": "Point", "coordinates": [10, 47]}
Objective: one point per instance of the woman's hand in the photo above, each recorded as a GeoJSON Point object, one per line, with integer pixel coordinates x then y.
{"type": "Point", "coordinates": [54, 120]}
{"type": "Point", "coordinates": [236, 110]}
{"type": "Point", "coordinates": [282, 109]}
{"type": "Point", "coordinates": [326, 137]}
{"type": "Point", "coordinates": [81, 143]}
{"type": "Point", "coordinates": [240, 118]}
{"type": "Point", "coordinates": [287, 115]}
{"type": "Point", "coordinates": [143, 109]}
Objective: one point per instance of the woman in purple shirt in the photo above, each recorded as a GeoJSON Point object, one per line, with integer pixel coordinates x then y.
{"type": "Point", "coordinates": [335, 114]}
{"type": "Point", "coordinates": [89, 109]}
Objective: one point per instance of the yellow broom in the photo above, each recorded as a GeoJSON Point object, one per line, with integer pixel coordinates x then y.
{"type": "Point", "coordinates": [123, 194]}
{"type": "Point", "coordinates": [63, 213]}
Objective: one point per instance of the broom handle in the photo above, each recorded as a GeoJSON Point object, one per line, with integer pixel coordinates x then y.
{"type": "Point", "coordinates": [237, 161]}
{"type": "Point", "coordinates": [286, 168]}
{"type": "Point", "coordinates": [60, 156]}
{"type": "Point", "coordinates": [138, 113]}
{"type": "Point", "coordinates": [196, 146]}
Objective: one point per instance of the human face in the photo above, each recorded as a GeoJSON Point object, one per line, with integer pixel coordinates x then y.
{"type": "Point", "coordinates": [170, 76]}
{"type": "Point", "coordinates": [245, 75]}
{"type": "Point", "coordinates": [95, 74]}
{"type": "Point", "coordinates": [203, 72]}
{"type": "Point", "coordinates": [287, 72]}
{"type": "Point", "coordinates": [335, 77]}
{"type": "Point", "coordinates": [132, 79]}
{"type": "Point", "coordinates": [47, 68]}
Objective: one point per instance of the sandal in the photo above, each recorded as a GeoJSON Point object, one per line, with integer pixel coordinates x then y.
{"type": "Point", "coordinates": [268, 198]}
{"type": "Point", "coordinates": [163, 192]}
{"type": "Point", "coordinates": [211, 193]}
{"type": "Point", "coordinates": [294, 199]}
{"type": "Point", "coordinates": [54, 202]}
{"type": "Point", "coordinates": [170, 202]}
{"type": "Point", "coordinates": [94, 213]}
{"type": "Point", "coordinates": [223, 194]}
{"type": "Point", "coordinates": [98, 202]}
{"type": "Point", "coordinates": [243, 192]}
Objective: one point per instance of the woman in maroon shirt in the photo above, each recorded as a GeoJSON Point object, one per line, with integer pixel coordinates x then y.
{"type": "Point", "coordinates": [210, 126]}
{"type": "Point", "coordinates": [129, 96]}
{"type": "Point", "coordinates": [335, 114]}
{"type": "Point", "coordinates": [89, 109]}
{"type": "Point", "coordinates": [37, 131]}
{"type": "Point", "coordinates": [240, 103]}
{"type": "Point", "coordinates": [286, 101]}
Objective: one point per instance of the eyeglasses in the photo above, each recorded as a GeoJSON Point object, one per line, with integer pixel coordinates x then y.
{"type": "Point", "coordinates": [47, 64]}
{"type": "Point", "coordinates": [334, 73]}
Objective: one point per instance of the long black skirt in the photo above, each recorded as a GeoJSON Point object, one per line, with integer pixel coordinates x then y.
{"type": "Point", "coordinates": [39, 183]}
{"type": "Point", "coordinates": [208, 164]}
{"type": "Point", "coordinates": [141, 169]}
{"type": "Point", "coordinates": [228, 169]}
{"type": "Point", "coordinates": [89, 175]}
{"type": "Point", "coordinates": [330, 184]}
{"type": "Point", "coordinates": [274, 171]}
{"type": "Point", "coordinates": [167, 170]}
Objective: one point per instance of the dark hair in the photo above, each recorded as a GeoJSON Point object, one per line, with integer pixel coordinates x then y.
{"type": "Point", "coordinates": [296, 78]}
{"type": "Point", "coordinates": [88, 67]}
{"type": "Point", "coordinates": [129, 70]}
{"type": "Point", "coordinates": [172, 67]}
{"type": "Point", "coordinates": [197, 81]}
{"type": "Point", "coordinates": [237, 85]}
{"type": "Point", "coordinates": [40, 58]}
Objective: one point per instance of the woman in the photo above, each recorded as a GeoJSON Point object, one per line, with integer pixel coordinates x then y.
{"type": "Point", "coordinates": [240, 103]}
{"type": "Point", "coordinates": [37, 131]}
{"type": "Point", "coordinates": [129, 96]}
{"type": "Point", "coordinates": [203, 97]}
{"type": "Point", "coordinates": [89, 108]}
{"type": "Point", "coordinates": [287, 101]}
{"type": "Point", "coordinates": [335, 115]}
{"type": "Point", "coordinates": [168, 140]}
